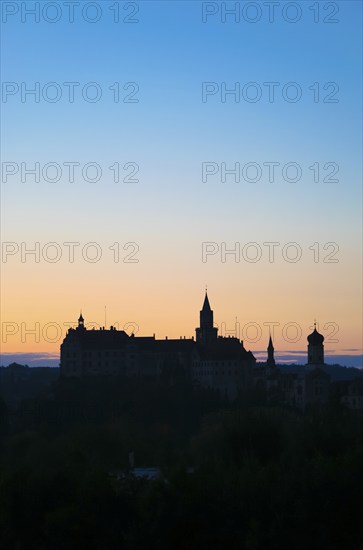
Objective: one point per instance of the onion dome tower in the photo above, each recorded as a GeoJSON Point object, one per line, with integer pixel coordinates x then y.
{"type": "Point", "coordinates": [315, 348]}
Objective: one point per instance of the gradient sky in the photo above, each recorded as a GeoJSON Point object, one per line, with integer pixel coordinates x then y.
{"type": "Point", "coordinates": [170, 212]}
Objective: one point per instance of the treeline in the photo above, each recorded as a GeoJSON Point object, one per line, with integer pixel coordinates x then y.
{"type": "Point", "coordinates": [241, 476]}
{"type": "Point", "coordinates": [19, 382]}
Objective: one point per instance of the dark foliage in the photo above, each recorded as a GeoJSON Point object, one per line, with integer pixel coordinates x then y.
{"type": "Point", "coordinates": [240, 476]}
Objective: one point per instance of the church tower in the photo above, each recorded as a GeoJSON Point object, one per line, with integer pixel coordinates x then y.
{"type": "Point", "coordinates": [270, 354]}
{"type": "Point", "coordinates": [206, 333]}
{"type": "Point", "coordinates": [315, 348]}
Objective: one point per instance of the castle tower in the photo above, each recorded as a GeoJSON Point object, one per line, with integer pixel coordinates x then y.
{"type": "Point", "coordinates": [270, 354]}
{"type": "Point", "coordinates": [315, 348]}
{"type": "Point", "coordinates": [206, 333]}
{"type": "Point", "coordinates": [81, 323]}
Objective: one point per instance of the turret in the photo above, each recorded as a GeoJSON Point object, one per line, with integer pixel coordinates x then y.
{"type": "Point", "coordinates": [81, 323]}
{"type": "Point", "coordinates": [270, 354]}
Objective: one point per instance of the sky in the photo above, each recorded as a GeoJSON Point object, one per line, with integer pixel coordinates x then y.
{"type": "Point", "coordinates": [165, 146]}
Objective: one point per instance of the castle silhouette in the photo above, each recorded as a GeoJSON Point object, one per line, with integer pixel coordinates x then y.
{"type": "Point", "coordinates": [217, 362]}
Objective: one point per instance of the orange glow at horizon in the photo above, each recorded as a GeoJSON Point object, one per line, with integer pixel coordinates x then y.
{"type": "Point", "coordinates": [163, 294]}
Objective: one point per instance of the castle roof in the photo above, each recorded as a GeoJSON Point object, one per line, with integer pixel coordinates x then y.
{"type": "Point", "coordinates": [98, 339]}
{"type": "Point", "coordinates": [224, 349]}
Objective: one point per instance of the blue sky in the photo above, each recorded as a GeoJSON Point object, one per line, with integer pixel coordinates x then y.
{"type": "Point", "coordinates": [169, 132]}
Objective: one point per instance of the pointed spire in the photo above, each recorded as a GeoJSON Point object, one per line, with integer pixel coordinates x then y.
{"type": "Point", "coordinates": [206, 305]}
{"type": "Point", "coordinates": [206, 332]}
{"type": "Point", "coordinates": [270, 354]}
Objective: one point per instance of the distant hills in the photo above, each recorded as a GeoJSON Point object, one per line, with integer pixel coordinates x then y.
{"type": "Point", "coordinates": [18, 382]}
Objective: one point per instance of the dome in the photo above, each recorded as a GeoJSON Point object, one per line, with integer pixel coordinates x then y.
{"type": "Point", "coordinates": [315, 338]}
